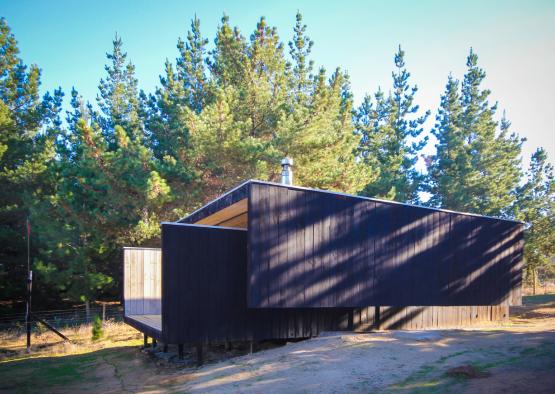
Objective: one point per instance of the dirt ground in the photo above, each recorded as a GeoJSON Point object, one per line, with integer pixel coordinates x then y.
{"type": "Point", "coordinates": [517, 357]}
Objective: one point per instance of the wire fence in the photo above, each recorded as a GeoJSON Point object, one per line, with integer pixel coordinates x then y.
{"type": "Point", "coordinates": [63, 318]}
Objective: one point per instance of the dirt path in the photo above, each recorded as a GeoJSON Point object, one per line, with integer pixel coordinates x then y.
{"type": "Point", "coordinates": [403, 361]}
{"type": "Point", "coordinates": [518, 357]}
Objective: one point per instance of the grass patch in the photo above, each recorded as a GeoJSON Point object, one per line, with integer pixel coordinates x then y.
{"type": "Point", "coordinates": [61, 373]}
{"type": "Point", "coordinates": [523, 357]}
{"type": "Point", "coordinates": [56, 366]}
{"type": "Point", "coordinates": [28, 375]}
{"type": "Point", "coordinates": [432, 378]}
{"type": "Point", "coordinates": [425, 371]}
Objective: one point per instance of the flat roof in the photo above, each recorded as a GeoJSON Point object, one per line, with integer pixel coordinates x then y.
{"type": "Point", "coordinates": [244, 184]}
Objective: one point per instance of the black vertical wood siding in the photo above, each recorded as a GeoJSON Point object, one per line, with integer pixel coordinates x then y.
{"type": "Point", "coordinates": [204, 298]}
{"type": "Point", "coordinates": [203, 278]}
{"type": "Point", "coordinates": [204, 292]}
{"type": "Point", "coordinates": [313, 261]}
{"type": "Point", "coordinates": [311, 249]}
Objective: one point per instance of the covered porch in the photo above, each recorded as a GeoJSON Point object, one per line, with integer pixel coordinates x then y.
{"type": "Point", "coordinates": [143, 290]}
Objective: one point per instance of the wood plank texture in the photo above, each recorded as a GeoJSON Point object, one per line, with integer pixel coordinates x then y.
{"type": "Point", "coordinates": [204, 290]}
{"type": "Point", "coordinates": [142, 288]}
{"type": "Point", "coordinates": [338, 251]}
{"type": "Point", "coordinates": [313, 261]}
{"type": "Point", "coordinates": [234, 215]}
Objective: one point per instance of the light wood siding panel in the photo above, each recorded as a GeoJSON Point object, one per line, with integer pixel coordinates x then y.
{"type": "Point", "coordinates": [142, 281]}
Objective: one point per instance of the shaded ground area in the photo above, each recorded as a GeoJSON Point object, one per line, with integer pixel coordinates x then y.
{"type": "Point", "coordinates": [517, 357]}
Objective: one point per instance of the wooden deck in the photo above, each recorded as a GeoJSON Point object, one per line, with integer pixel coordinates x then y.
{"type": "Point", "coordinates": [149, 324]}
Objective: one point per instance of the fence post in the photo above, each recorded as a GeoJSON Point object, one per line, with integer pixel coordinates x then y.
{"type": "Point", "coordinates": [28, 312]}
{"type": "Point", "coordinates": [87, 311]}
{"type": "Point", "coordinates": [103, 313]}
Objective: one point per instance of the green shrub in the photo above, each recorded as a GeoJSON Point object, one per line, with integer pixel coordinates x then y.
{"type": "Point", "coordinates": [97, 329]}
{"type": "Point", "coordinates": [40, 328]}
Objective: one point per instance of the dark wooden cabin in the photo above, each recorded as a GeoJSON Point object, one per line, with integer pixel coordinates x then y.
{"type": "Point", "coordinates": [268, 261]}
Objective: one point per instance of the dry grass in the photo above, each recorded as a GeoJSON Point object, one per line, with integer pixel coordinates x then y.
{"type": "Point", "coordinates": [45, 343]}
{"type": "Point", "coordinates": [546, 289]}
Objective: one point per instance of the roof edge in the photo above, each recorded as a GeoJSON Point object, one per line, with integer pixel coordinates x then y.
{"type": "Point", "coordinates": [382, 201]}
{"type": "Point", "coordinates": [215, 200]}
{"type": "Point", "coordinates": [203, 226]}
{"type": "Point", "coordinates": [345, 195]}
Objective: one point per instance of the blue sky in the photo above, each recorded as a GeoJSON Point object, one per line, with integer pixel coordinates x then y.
{"type": "Point", "coordinates": [515, 41]}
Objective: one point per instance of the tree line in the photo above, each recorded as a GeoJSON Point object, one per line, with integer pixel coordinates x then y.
{"type": "Point", "coordinates": [103, 175]}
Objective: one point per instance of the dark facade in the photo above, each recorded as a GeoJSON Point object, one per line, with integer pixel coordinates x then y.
{"type": "Point", "coordinates": [204, 295]}
{"type": "Point", "coordinates": [299, 261]}
{"type": "Point", "coordinates": [313, 249]}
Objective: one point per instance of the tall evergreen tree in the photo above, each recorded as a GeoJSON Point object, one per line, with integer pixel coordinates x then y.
{"type": "Point", "coordinates": [452, 157]}
{"type": "Point", "coordinates": [185, 88]}
{"type": "Point", "coordinates": [191, 67]}
{"type": "Point", "coordinates": [300, 48]}
{"type": "Point", "coordinates": [321, 137]}
{"type": "Point", "coordinates": [535, 205]}
{"type": "Point", "coordinates": [265, 108]}
{"type": "Point", "coordinates": [477, 164]}
{"type": "Point", "coordinates": [234, 136]}
{"type": "Point", "coordinates": [108, 194]}
{"type": "Point", "coordinates": [27, 124]}
{"type": "Point", "coordinates": [118, 97]}
{"type": "Point", "coordinates": [391, 138]}
{"type": "Point", "coordinates": [229, 57]}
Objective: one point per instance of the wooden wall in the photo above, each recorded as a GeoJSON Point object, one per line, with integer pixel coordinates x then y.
{"type": "Point", "coordinates": [203, 279]}
{"type": "Point", "coordinates": [311, 249]}
{"type": "Point", "coordinates": [142, 281]}
{"type": "Point", "coordinates": [205, 297]}
{"type": "Point", "coordinates": [205, 292]}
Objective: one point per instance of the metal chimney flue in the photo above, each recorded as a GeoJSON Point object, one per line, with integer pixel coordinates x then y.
{"type": "Point", "coordinates": [287, 171]}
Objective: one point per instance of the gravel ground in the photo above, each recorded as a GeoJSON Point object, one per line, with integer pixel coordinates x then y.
{"type": "Point", "coordinates": [518, 357]}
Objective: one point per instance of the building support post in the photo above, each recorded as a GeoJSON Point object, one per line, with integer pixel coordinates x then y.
{"type": "Point", "coordinates": [180, 351]}
{"type": "Point", "coordinates": [200, 358]}
{"type": "Point", "coordinates": [145, 337]}
{"type": "Point", "coordinates": [154, 343]}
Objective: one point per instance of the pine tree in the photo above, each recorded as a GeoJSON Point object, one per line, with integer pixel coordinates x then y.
{"type": "Point", "coordinates": [191, 67]}
{"type": "Point", "coordinates": [535, 205]}
{"type": "Point", "coordinates": [27, 124]}
{"type": "Point", "coordinates": [300, 48]}
{"type": "Point", "coordinates": [233, 137]}
{"type": "Point", "coordinates": [108, 194]}
{"type": "Point", "coordinates": [321, 137]}
{"type": "Point", "coordinates": [476, 166]}
{"type": "Point", "coordinates": [183, 89]}
{"type": "Point", "coordinates": [265, 108]}
{"type": "Point", "coordinates": [452, 158]}
{"type": "Point", "coordinates": [118, 97]}
{"type": "Point", "coordinates": [390, 138]}
{"type": "Point", "coordinates": [229, 57]}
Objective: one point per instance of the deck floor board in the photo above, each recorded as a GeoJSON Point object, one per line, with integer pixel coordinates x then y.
{"type": "Point", "coordinates": [153, 321]}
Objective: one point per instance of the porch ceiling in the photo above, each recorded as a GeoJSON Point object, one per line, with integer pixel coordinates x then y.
{"type": "Point", "coordinates": [235, 215]}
